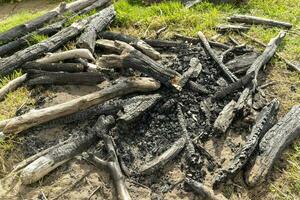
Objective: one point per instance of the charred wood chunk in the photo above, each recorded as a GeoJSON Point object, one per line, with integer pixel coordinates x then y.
{"type": "Point", "coordinates": [240, 64]}
{"type": "Point", "coordinates": [54, 67]}
{"type": "Point", "coordinates": [140, 62]}
{"type": "Point", "coordinates": [231, 27]}
{"type": "Point", "coordinates": [98, 23]}
{"type": "Point", "coordinates": [225, 117]}
{"type": "Point", "coordinates": [37, 77]}
{"type": "Point", "coordinates": [258, 20]}
{"type": "Point", "coordinates": [55, 158]}
{"type": "Point", "coordinates": [12, 85]}
{"type": "Point", "coordinates": [272, 145]}
{"type": "Point", "coordinates": [264, 122]}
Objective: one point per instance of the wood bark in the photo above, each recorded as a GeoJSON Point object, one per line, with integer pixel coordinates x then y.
{"type": "Point", "coordinates": [231, 27]}
{"type": "Point", "coordinates": [114, 167]}
{"type": "Point", "coordinates": [264, 122]}
{"type": "Point", "coordinates": [55, 67]}
{"type": "Point", "coordinates": [98, 23]}
{"type": "Point", "coordinates": [7, 65]}
{"type": "Point", "coordinates": [225, 117]}
{"type": "Point", "coordinates": [247, 19]}
{"type": "Point", "coordinates": [11, 86]}
{"type": "Point", "coordinates": [204, 191]}
{"type": "Point", "coordinates": [164, 158]}
{"type": "Point", "coordinates": [36, 117]}
{"type": "Point", "coordinates": [265, 57]}
{"type": "Point", "coordinates": [34, 24]}
{"type": "Point", "coordinates": [231, 77]}
{"type": "Point", "coordinates": [140, 62]}
{"type": "Point", "coordinates": [38, 77]}
{"type": "Point", "coordinates": [67, 55]}
{"type": "Point", "coordinates": [55, 158]}
{"type": "Point", "coordinates": [272, 145]}
{"type": "Point", "coordinates": [136, 43]}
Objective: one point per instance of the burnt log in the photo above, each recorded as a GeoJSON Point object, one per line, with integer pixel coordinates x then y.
{"type": "Point", "coordinates": [58, 156]}
{"type": "Point", "coordinates": [98, 23]}
{"type": "Point", "coordinates": [264, 122]}
{"type": "Point", "coordinates": [140, 62]}
{"type": "Point", "coordinates": [204, 191]}
{"type": "Point", "coordinates": [36, 117]}
{"type": "Point", "coordinates": [7, 65]}
{"type": "Point", "coordinates": [234, 86]}
{"type": "Point", "coordinates": [11, 86]}
{"type": "Point", "coordinates": [230, 27]}
{"type": "Point", "coordinates": [240, 64]}
{"type": "Point", "coordinates": [38, 77]}
{"type": "Point", "coordinates": [272, 145]}
{"type": "Point", "coordinates": [136, 43]}
{"type": "Point", "coordinates": [247, 19]}
{"type": "Point", "coordinates": [34, 24]}
{"type": "Point", "coordinates": [231, 77]}
{"type": "Point", "coordinates": [55, 67]}
{"type": "Point", "coordinates": [225, 117]}
{"type": "Point", "coordinates": [265, 57]}
{"type": "Point", "coordinates": [164, 158]}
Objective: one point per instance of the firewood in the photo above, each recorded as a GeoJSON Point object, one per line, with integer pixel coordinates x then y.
{"type": "Point", "coordinates": [114, 167]}
{"type": "Point", "coordinates": [55, 158]}
{"type": "Point", "coordinates": [231, 50]}
{"type": "Point", "coordinates": [164, 158]}
{"type": "Point", "coordinates": [272, 145]}
{"type": "Point", "coordinates": [38, 77]}
{"type": "Point", "coordinates": [287, 62]}
{"type": "Point", "coordinates": [136, 43]}
{"type": "Point", "coordinates": [204, 191]}
{"type": "Point", "coordinates": [197, 66]}
{"type": "Point", "coordinates": [36, 117]}
{"type": "Point", "coordinates": [66, 55]}
{"type": "Point", "coordinates": [7, 65]}
{"type": "Point", "coordinates": [264, 122]}
{"type": "Point", "coordinates": [231, 77]}
{"type": "Point", "coordinates": [11, 86]}
{"type": "Point", "coordinates": [197, 87]}
{"type": "Point", "coordinates": [34, 24]}
{"type": "Point", "coordinates": [55, 67]}
{"type": "Point", "coordinates": [225, 117]}
{"type": "Point", "coordinates": [231, 27]}
{"type": "Point", "coordinates": [100, 22]}
{"type": "Point", "coordinates": [247, 19]}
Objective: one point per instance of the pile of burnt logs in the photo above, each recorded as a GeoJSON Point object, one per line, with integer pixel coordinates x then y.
{"type": "Point", "coordinates": [109, 56]}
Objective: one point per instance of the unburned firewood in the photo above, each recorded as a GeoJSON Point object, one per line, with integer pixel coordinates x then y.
{"type": "Point", "coordinates": [225, 117]}
{"type": "Point", "coordinates": [38, 77]}
{"type": "Point", "coordinates": [220, 64]}
{"type": "Point", "coordinates": [140, 62]}
{"type": "Point", "coordinates": [34, 24]}
{"type": "Point", "coordinates": [67, 55]}
{"type": "Point", "coordinates": [98, 23]}
{"type": "Point", "coordinates": [164, 158]}
{"type": "Point", "coordinates": [234, 86]}
{"type": "Point", "coordinates": [231, 27]}
{"type": "Point", "coordinates": [247, 19]}
{"type": "Point", "coordinates": [265, 57]}
{"type": "Point", "coordinates": [113, 165]}
{"type": "Point", "coordinates": [54, 67]}
{"type": "Point", "coordinates": [240, 64]}
{"type": "Point", "coordinates": [204, 191]}
{"type": "Point", "coordinates": [7, 65]}
{"type": "Point", "coordinates": [136, 43]}
{"type": "Point", "coordinates": [55, 158]}
{"type": "Point", "coordinates": [36, 117]}
{"type": "Point", "coordinates": [272, 145]}
{"type": "Point", "coordinates": [134, 110]}
{"type": "Point", "coordinates": [11, 86]}
{"type": "Point", "coordinates": [264, 122]}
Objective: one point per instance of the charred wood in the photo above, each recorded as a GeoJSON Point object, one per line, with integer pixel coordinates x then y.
{"type": "Point", "coordinates": [11, 86]}
{"type": "Point", "coordinates": [55, 67]}
{"type": "Point", "coordinates": [231, 27]}
{"type": "Point", "coordinates": [225, 117]}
